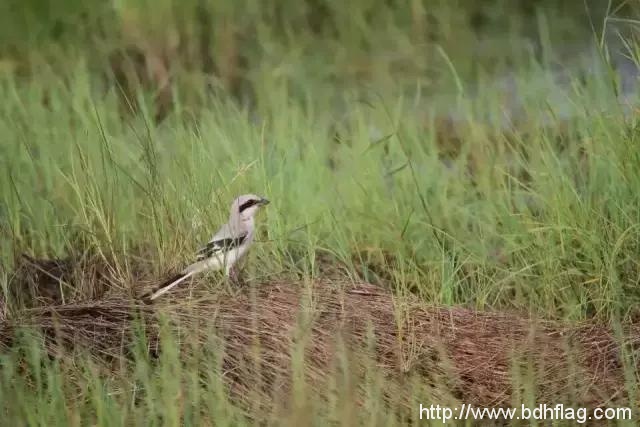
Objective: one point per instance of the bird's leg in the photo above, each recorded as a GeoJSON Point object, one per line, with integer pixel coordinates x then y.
{"type": "Point", "coordinates": [235, 275]}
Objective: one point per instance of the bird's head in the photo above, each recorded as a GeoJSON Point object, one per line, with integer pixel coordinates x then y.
{"type": "Point", "coordinates": [246, 206]}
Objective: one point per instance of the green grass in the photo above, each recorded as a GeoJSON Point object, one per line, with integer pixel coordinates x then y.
{"type": "Point", "coordinates": [535, 218]}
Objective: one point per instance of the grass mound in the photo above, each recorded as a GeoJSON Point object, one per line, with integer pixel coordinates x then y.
{"type": "Point", "coordinates": [333, 328]}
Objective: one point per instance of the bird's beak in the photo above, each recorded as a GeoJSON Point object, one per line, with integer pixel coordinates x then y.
{"type": "Point", "coordinates": [264, 201]}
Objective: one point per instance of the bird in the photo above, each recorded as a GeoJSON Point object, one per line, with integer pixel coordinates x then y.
{"type": "Point", "coordinates": [226, 247]}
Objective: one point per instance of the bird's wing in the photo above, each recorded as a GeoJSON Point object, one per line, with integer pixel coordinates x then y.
{"type": "Point", "coordinates": [221, 242]}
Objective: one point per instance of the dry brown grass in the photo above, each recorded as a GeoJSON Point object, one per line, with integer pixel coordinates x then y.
{"type": "Point", "coordinates": [471, 354]}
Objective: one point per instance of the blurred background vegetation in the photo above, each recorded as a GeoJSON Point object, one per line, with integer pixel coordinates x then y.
{"type": "Point", "coordinates": [189, 49]}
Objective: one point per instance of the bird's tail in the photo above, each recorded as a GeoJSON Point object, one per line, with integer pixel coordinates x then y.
{"type": "Point", "coordinates": [169, 284]}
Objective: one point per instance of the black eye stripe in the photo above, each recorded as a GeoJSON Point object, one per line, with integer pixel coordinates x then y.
{"type": "Point", "coordinates": [248, 204]}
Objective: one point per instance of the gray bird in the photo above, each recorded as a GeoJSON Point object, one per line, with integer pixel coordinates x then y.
{"type": "Point", "coordinates": [227, 246]}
